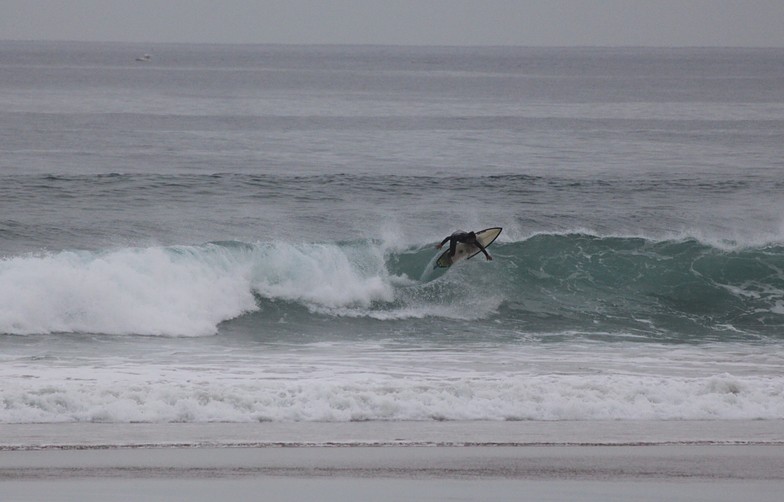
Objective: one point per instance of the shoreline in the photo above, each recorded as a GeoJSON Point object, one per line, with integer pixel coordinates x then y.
{"type": "Point", "coordinates": [18, 437]}
{"type": "Point", "coordinates": [425, 461]}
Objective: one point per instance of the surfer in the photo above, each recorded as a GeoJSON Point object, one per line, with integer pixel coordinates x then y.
{"type": "Point", "coordinates": [466, 238]}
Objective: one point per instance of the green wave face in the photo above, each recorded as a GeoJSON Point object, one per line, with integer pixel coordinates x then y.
{"type": "Point", "coordinates": [672, 289]}
{"type": "Point", "coordinates": [548, 284]}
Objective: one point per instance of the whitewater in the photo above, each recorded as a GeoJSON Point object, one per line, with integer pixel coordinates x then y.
{"type": "Point", "coordinates": [247, 234]}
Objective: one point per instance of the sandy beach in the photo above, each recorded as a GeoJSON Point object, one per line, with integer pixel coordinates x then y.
{"type": "Point", "coordinates": [722, 460]}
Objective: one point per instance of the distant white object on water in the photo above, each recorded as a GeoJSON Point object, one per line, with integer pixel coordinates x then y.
{"type": "Point", "coordinates": [144, 58]}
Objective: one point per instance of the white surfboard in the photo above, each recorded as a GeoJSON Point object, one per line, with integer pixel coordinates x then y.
{"type": "Point", "coordinates": [465, 251]}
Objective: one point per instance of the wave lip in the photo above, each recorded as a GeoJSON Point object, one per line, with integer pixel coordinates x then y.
{"type": "Point", "coordinates": [324, 275]}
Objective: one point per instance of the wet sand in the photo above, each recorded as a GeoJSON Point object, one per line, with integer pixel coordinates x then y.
{"type": "Point", "coordinates": [723, 460]}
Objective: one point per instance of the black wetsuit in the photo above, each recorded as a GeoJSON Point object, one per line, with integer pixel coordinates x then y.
{"type": "Point", "coordinates": [465, 237]}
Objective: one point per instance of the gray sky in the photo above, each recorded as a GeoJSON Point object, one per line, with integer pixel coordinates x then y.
{"type": "Point", "coordinates": [756, 23]}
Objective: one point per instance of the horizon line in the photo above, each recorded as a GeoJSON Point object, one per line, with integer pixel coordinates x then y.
{"type": "Point", "coordinates": [401, 45]}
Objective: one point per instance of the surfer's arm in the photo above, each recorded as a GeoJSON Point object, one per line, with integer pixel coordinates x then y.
{"type": "Point", "coordinates": [439, 246]}
{"type": "Point", "coordinates": [482, 249]}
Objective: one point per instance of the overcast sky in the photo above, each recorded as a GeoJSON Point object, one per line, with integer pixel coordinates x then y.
{"type": "Point", "coordinates": [755, 23]}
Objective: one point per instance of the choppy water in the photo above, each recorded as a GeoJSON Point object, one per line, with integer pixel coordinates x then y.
{"type": "Point", "coordinates": [241, 233]}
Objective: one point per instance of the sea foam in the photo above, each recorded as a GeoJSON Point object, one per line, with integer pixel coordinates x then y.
{"type": "Point", "coordinates": [191, 397]}
{"type": "Point", "coordinates": [182, 290]}
{"type": "Point", "coordinates": [150, 291]}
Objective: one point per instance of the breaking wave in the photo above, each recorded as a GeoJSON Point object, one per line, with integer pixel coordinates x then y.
{"type": "Point", "coordinates": [544, 283]}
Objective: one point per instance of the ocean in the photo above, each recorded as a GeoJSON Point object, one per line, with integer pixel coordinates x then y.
{"type": "Point", "coordinates": [241, 233]}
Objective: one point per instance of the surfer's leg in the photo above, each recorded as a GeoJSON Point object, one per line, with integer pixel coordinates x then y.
{"type": "Point", "coordinates": [452, 246]}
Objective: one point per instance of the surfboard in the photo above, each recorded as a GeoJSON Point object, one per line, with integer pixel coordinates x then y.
{"type": "Point", "coordinates": [465, 251]}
